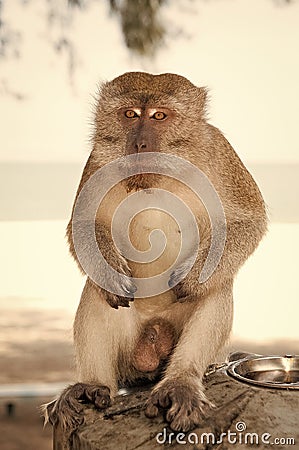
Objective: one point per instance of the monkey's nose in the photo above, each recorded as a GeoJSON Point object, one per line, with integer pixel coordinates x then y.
{"type": "Point", "coordinates": [140, 147]}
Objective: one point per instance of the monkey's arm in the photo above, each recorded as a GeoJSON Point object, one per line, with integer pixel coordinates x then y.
{"type": "Point", "coordinates": [86, 252]}
{"type": "Point", "coordinates": [96, 267]}
{"type": "Point", "coordinates": [245, 216]}
{"type": "Point", "coordinates": [242, 238]}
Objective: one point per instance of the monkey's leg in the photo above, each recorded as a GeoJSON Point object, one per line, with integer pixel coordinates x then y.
{"type": "Point", "coordinates": [181, 390]}
{"type": "Point", "coordinates": [100, 334]}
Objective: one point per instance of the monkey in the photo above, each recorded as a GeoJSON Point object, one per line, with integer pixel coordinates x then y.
{"type": "Point", "coordinates": [137, 114]}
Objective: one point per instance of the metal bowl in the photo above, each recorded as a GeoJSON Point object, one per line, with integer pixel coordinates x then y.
{"type": "Point", "coordinates": [280, 372]}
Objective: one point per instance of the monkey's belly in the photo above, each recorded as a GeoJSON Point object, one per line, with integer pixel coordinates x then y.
{"type": "Point", "coordinates": [161, 250]}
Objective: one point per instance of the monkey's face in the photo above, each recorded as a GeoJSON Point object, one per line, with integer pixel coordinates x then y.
{"type": "Point", "coordinates": [139, 112]}
{"type": "Point", "coordinates": [144, 126]}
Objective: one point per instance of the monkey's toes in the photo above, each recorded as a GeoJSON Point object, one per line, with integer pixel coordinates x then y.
{"type": "Point", "coordinates": [99, 396]}
{"type": "Point", "coordinates": [185, 407]}
{"type": "Point", "coordinates": [68, 408]}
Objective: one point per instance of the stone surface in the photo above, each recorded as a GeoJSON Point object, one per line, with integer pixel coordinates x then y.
{"type": "Point", "coordinates": [244, 412]}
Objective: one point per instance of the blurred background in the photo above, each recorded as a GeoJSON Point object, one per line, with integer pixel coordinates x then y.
{"type": "Point", "coordinates": [53, 55]}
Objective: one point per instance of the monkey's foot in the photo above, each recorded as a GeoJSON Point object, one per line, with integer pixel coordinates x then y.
{"type": "Point", "coordinates": [67, 409]}
{"type": "Point", "coordinates": [186, 406]}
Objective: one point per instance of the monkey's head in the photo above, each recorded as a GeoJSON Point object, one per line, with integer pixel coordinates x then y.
{"type": "Point", "coordinates": [138, 112]}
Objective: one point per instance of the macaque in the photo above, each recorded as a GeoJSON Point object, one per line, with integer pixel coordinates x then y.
{"type": "Point", "coordinates": [120, 336]}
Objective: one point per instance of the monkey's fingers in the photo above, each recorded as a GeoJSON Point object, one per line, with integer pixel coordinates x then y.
{"type": "Point", "coordinates": [184, 415]}
{"type": "Point", "coordinates": [151, 410]}
{"type": "Point", "coordinates": [116, 300]}
{"type": "Point", "coordinates": [123, 280]}
{"type": "Point", "coordinates": [128, 289]}
{"type": "Point", "coordinates": [124, 300]}
{"type": "Point", "coordinates": [186, 407]}
{"type": "Point", "coordinates": [155, 402]}
{"type": "Point", "coordinates": [180, 284]}
{"type": "Point", "coordinates": [99, 396]}
{"type": "Point", "coordinates": [180, 272]}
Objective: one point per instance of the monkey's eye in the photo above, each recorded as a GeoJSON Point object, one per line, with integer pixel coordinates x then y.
{"type": "Point", "coordinates": [130, 114]}
{"type": "Point", "coordinates": [159, 115]}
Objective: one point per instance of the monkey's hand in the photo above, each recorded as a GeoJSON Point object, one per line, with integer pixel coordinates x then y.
{"type": "Point", "coordinates": [186, 405]}
{"type": "Point", "coordinates": [179, 273]}
{"type": "Point", "coordinates": [68, 408]}
{"type": "Point", "coordinates": [118, 281]}
{"type": "Point", "coordinates": [184, 282]}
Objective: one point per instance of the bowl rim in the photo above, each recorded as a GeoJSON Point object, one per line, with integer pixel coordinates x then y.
{"type": "Point", "coordinates": [232, 367]}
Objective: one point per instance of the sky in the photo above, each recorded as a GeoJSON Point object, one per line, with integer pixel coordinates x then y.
{"type": "Point", "coordinates": [245, 51]}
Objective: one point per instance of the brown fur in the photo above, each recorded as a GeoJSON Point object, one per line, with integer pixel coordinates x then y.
{"type": "Point", "coordinates": [200, 314]}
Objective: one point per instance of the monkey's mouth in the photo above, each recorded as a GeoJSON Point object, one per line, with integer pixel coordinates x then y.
{"type": "Point", "coordinates": [146, 172]}
{"type": "Point", "coordinates": [141, 181]}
